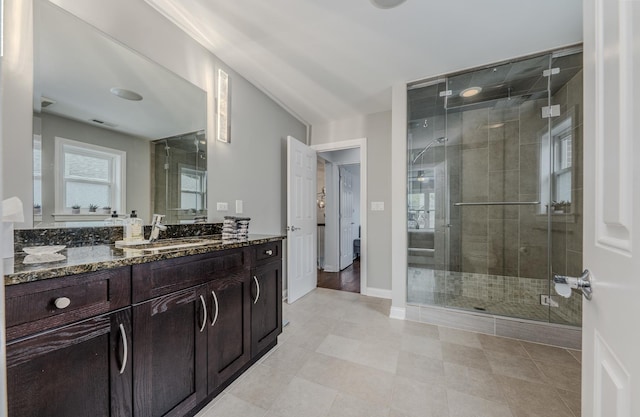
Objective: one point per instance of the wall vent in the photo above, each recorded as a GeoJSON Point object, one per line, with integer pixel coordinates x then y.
{"type": "Point", "coordinates": [103, 123]}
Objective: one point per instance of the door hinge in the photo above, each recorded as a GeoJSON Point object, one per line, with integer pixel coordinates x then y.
{"type": "Point", "coordinates": [551, 111]}
{"type": "Point", "coordinates": [446, 93]}
{"type": "Point", "coordinates": [552, 71]}
{"type": "Point", "coordinates": [547, 300]}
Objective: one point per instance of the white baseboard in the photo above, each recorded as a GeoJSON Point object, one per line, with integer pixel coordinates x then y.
{"type": "Point", "coordinates": [331, 268]}
{"type": "Point", "coordinates": [378, 293]}
{"type": "Point", "coordinates": [398, 313]}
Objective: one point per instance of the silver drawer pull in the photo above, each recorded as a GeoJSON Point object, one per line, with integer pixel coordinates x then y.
{"type": "Point", "coordinates": [268, 252]}
{"type": "Point", "coordinates": [204, 310]}
{"type": "Point", "coordinates": [215, 316]}
{"type": "Point", "coordinates": [257, 289]}
{"type": "Point", "coordinates": [62, 302]}
{"type": "Point", "coordinates": [125, 349]}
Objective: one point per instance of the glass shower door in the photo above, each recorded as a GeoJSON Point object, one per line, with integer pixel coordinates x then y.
{"type": "Point", "coordinates": [498, 241]}
{"type": "Point", "coordinates": [426, 191]}
{"type": "Point", "coordinates": [494, 185]}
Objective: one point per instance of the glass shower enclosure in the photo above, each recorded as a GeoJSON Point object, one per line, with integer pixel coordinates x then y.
{"type": "Point", "coordinates": [494, 186]}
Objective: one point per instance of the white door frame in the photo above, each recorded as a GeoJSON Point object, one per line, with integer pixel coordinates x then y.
{"type": "Point", "coordinates": [362, 145]}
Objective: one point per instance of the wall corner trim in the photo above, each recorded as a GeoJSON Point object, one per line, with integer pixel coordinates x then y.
{"type": "Point", "coordinates": [398, 313]}
{"type": "Point", "coordinates": [378, 293]}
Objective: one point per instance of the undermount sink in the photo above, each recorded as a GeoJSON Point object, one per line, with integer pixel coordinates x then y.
{"type": "Point", "coordinates": [173, 244]}
{"type": "Point", "coordinates": [150, 247]}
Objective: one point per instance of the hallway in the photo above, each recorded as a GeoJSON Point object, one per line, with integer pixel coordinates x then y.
{"type": "Point", "coordinates": [346, 280]}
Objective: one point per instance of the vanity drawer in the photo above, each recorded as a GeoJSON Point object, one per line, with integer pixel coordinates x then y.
{"type": "Point", "coordinates": [267, 252]}
{"type": "Point", "coordinates": [158, 278]}
{"type": "Point", "coordinates": [40, 305]}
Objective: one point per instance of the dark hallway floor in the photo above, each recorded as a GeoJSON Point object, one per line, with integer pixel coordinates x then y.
{"type": "Point", "coordinates": [346, 280]}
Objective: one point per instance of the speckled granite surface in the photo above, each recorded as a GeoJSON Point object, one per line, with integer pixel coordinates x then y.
{"type": "Point", "coordinates": [104, 256]}
{"type": "Point", "coordinates": [90, 236]}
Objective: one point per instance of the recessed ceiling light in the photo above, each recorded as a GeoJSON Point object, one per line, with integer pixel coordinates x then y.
{"type": "Point", "coordinates": [126, 94]}
{"type": "Point", "coordinates": [470, 92]}
{"type": "Point", "coordinates": [387, 4]}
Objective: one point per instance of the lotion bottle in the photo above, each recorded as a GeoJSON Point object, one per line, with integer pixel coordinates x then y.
{"type": "Point", "coordinates": [133, 228]}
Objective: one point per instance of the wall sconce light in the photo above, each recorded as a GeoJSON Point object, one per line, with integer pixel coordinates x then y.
{"type": "Point", "coordinates": [223, 107]}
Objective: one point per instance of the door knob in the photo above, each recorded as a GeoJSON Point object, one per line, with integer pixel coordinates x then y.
{"type": "Point", "coordinates": [564, 284]}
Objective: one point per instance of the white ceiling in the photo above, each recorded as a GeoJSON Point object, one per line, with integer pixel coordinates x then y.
{"type": "Point", "coordinates": [327, 60]}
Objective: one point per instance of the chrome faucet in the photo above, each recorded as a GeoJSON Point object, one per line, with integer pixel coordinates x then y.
{"type": "Point", "coordinates": [156, 227]}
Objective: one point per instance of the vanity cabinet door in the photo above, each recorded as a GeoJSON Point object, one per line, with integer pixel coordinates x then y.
{"type": "Point", "coordinates": [79, 370]}
{"type": "Point", "coordinates": [229, 326]}
{"type": "Point", "coordinates": [266, 306]}
{"type": "Point", "coordinates": [170, 353]}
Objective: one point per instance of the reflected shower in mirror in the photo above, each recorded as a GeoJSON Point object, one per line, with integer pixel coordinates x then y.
{"type": "Point", "coordinates": [100, 112]}
{"type": "Point", "coordinates": [181, 178]}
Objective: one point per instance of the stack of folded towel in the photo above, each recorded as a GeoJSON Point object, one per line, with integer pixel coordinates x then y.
{"type": "Point", "coordinates": [243, 227]}
{"type": "Point", "coordinates": [235, 228]}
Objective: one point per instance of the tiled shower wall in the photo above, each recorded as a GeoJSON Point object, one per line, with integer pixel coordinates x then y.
{"type": "Point", "coordinates": [493, 154]}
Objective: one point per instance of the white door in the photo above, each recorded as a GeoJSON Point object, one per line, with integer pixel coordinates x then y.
{"type": "Point", "coordinates": [346, 218]}
{"type": "Point", "coordinates": [301, 219]}
{"type": "Point", "coordinates": [611, 333]}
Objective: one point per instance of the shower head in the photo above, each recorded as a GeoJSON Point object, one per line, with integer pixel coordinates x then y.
{"type": "Point", "coordinates": [430, 144]}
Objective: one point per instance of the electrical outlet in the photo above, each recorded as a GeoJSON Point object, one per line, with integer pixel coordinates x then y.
{"type": "Point", "coordinates": [222, 206]}
{"type": "Point", "coordinates": [239, 206]}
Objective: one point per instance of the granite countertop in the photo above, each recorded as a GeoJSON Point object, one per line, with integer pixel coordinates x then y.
{"type": "Point", "coordinates": [98, 257]}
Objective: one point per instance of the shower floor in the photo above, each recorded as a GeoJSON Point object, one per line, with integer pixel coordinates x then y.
{"type": "Point", "coordinates": [492, 294]}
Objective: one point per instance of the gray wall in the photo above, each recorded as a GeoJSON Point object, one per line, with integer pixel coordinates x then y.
{"type": "Point", "coordinates": [252, 167]}
{"type": "Point", "coordinates": [377, 129]}
{"type": "Point", "coordinates": [138, 160]}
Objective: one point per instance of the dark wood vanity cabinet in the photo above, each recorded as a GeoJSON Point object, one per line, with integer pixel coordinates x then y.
{"type": "Point", "coordinates": [229, 331]}
{"type": "Point", "coordinates": [189, 342]}
{"type": "Point", "coordinates": [149, 340]}
{"type": "Point", "coordinates": [83, 369]}
{"type": "Point", "coordinates": [170, 353]}
{"type": "Point", "coordinates": [69, 345]}
{"type": "Point", "coordinates": [266, 296]}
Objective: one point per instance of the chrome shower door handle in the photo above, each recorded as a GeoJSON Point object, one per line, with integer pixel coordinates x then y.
{"type": "Point", "coordinates": [564, 284]}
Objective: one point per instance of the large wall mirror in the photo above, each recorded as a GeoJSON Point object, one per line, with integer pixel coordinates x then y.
{"type": "Point", "coordinates": [112, 130]}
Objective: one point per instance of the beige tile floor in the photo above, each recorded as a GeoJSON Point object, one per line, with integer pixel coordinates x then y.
{"type": "Point", "coordinates": [342, 356]}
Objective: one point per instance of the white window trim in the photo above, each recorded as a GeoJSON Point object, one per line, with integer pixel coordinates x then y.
{"type": "Point", "coordinates": [203, 193]}
{"type": "Point", "coordinates": [120, 170]}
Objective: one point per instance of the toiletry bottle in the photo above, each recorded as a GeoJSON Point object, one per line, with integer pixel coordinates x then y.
{"type": "Point", "coordinates": [133, 228]}
{"type": "Point", "coordinates": [114, 220]}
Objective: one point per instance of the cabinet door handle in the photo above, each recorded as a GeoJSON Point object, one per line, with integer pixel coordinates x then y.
{"type": "Point", "coordinates": [62, 302]}
{"type": "Point", "coordinates": [257, 289]}
{"type": "Point", "coordinates": [268, 252]}
{"type": "Point", "coordinates": [215, 301]}
{"type": "Point", "coordinates": [125, 349]}
{"type": "Point", "coordinates": [204, 311]}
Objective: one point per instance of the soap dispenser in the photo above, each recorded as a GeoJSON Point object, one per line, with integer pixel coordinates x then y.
{"type": "Point", "coordinates": [114, 220]}
{"type": "Point", "coordinates": [133, 228]}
